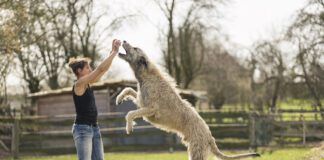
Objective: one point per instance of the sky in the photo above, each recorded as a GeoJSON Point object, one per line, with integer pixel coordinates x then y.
{"type": "Point", "coordinates": [243, 21]}
{"type": "Point", "coordinates": [249, 20]}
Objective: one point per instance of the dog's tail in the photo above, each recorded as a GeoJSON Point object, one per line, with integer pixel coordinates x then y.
{"type": "Point", "coordinates": [219, 154]}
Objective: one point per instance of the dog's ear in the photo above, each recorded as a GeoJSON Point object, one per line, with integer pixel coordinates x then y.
{"type": "Point", "coordinates": [142, 61]}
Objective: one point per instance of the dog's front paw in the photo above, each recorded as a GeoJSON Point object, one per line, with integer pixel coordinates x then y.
{"type": "Point", "coordinates": [119, 99]}
{"type": "Point", "coordinates": [129, 127]}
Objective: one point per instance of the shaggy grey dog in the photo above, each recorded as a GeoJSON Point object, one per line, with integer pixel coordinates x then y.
{"type": "Point", "coordinates": [159, 103]}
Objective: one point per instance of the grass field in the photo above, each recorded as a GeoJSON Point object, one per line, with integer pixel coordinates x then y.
{"type": "Point", "coordinates": [278, 154]}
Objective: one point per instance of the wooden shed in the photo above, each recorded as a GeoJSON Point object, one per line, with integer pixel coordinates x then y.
{"type": "Point", "coordinates": [59, 102]}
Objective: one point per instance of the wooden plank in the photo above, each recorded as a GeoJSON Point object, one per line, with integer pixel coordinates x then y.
{"type": "Point", "coordinates": [3, 145]}
{"type": "Point", "coordinates": [298, 111]}
{"type": "Point", "coordinates": [56, 98]}
{"type": "Point", "coordinates": [114, 129]}
{"type": "Point", "coordinates": [100, 115]}
{"type": "Point", "coordinates": [298, 134]}
{"type": "Point", "coordinates": [56, 109]}
{"type": "Point", "coordinates": [5, 137]}
{"type": "Point", "coordinates": [287, 123]}
{"type": "Point", "coordinates": [6, 119]}
{"type": "Point", "coordinates": [224, 114]}
{"type": "Point", "coordinates": [64, 132]}
{"type": "Point", "coordinates": [228, 125]}
{"type": "Point", "coordinates": [5, 125]}
{"type": "Point", "coordinates": [108, 132]}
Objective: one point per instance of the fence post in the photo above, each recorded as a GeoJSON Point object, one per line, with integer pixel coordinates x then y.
{"type": "Point", "coordinates": [304, 129]}
{"type": "Point", "coordinates": [15, 139]}
{"type": "Point", "coordinates": [252, 131]}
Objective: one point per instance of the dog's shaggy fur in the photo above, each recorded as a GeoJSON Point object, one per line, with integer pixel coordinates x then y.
{"type": "Point", "coordinates": [159, 103]}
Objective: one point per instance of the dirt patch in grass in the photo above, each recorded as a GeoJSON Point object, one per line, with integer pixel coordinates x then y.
{"type": "Point", "coordinates": [317, 153]}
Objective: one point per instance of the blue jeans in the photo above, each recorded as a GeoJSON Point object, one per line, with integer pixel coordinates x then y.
{"type": "Point", "coordinates": [88, 142]}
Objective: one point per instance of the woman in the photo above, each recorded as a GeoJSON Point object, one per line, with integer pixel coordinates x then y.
{"type": "Point", "coordinates": [86, 133]}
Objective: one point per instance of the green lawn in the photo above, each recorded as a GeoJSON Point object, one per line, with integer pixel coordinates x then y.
{"type": "Point", "coordinates": [278, 154]}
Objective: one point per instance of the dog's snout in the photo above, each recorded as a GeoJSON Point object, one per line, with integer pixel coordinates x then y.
{"type": "Point", "coordinates": [126, 45]}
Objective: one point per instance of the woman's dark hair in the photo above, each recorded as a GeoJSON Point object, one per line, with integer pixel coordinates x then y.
{"type": "Point", "coordinates": [78, 63]}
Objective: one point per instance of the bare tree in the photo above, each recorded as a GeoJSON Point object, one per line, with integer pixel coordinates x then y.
{"type": "Point", "coordinates": [307, 34]}
{"type": "Point", "coordinates": [45, 47]}
{"type": "Point", "coordinates": [70, 29]}
{"type": "Point", "coordinates": [192, 53]}
{"type": "Point", "coordinates": [76, 27]}
{"type": "Point", "coordinates": [225, 79]}
{"type": "Point", "coordinates": [20, 42]}
{"type": "Point", "coordinates": [5, 60]}
{"type": "Point", "coordinates": [171, 62]}
{"type": "Point", "coordinates": [309, 68]}
{"type": "Point", "coordinates": [49, 32]}
{"type": "Point", "coordinates": [8, 44]}
{"type": "Point", "coordinates": [268, 59]}
{"type": "Point", "coordinates": [185, 49]}
{"type": "Point", "coordinates": [256, 92]}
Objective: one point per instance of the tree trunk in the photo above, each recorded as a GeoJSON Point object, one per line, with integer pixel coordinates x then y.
{"type": "Point", "coordinates": [275, 96]}
{"type": "Point", "coordinates": [53, 82]}
{"type": "Point", "coordinates": [315, 95]}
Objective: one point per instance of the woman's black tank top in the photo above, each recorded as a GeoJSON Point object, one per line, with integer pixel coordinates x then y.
{"type": "Point", "coordinates": [85, 107]}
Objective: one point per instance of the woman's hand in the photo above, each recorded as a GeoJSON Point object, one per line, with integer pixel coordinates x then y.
{"type": "Point", "coordinates": [103, 67]}
{"type": "Point", "coordinates": [115, 46]}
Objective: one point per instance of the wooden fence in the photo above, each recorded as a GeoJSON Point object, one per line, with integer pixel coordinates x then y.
{"type": "Point", "coordinates": [235, 129]}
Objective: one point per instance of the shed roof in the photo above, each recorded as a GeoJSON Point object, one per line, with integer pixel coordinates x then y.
{"type": "Point", "coordinates": [111, 83]}
{"type": "Point", "coordinates": [96, 86]}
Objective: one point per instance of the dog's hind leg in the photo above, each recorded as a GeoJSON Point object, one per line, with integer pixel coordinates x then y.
{"type": "Point", "coordinates": [136, 114]}
{"type": "Point", "coordinates": [197, 152]}
{"type": "Point", "coordinates": [127, 94]}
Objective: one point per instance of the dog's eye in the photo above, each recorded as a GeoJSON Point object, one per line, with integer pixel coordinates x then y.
{"type": "Point", "coordinates": [135, 48]}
